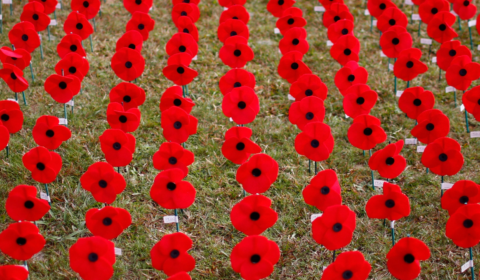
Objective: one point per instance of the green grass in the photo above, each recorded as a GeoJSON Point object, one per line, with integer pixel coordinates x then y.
{"type": "Point", "coordinates": [207, 220]}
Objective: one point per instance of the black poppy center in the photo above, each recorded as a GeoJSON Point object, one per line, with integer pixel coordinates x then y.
{"type": "Point", "coordinates": [452, 52]}
{"type": "Point", "coordinates": [442, 27]}
{"type": "Point", "coordinates": [117, 146]}
{"type": "Point", "coordinates": [256, 172]}
{"type": "Point", "coordinates": [141, 26]}
{"type": "Point", "coordinates": [463, 200]}
{"type": "Point", "coordinates": [122, 119]}
{"type": "Point", "coordinates": [62, 85]}
{"type": "Point", "coordinates": [233, 33]}
{"type": "Point", "coordinates": [309, 92]}
{"type": "Point", "coordinates": [29, 204]}
{"type": "Point", "coordinates": [79, 26]}
{"type": "Point", "coordinates": [177, 125]}
{"type": "Point", "coordinates": [128, 64]}
{"type": "Point", "coordinates": [234, 17]}
{"type": "Point", "coordinates": [86, 4]}
{"type": "Point", "coordinates": [237, 53]}
{"type": "Point", "coordinates": [131, 46]}
{"type": "Point", "coordinates": [347, 52]}
{"type": "Point", "coordinates": [25, 37]}
{"type": "Point", "coordinates": [409, 258]}
{"type": "Point", "coordinates": [172, 160]}
{"type": "Point", "coordinates": [174, 254]}
{"type": "Point", "coordinates": [171, 186]}
{"type": "Point", "coordinates": [417, 102]}
{"type": "Point", "coordinates": [409, 64]}
{"type": "Point", "coordinates": [290, 21]}
{"type": "Point", "coordinates": [177, 102]}
{"type": "Point", "coordinates": [314, 143]}
{"type": "Point", "coordinates": [430, 126]}
{"type": "Point", "coordinates": [50, 133]}
{"type": "Point", "coordinates": [93, 257]}
{"type": "Point", "coordinates": [102, 184]}
{"type": "Point", "coordinates": [183, 13]}
{"type": "Point", "coordinates": [5, 117]}
{"type": "Point", "coordinates": [468, 223]}
{"type": "Point", "coordinates": [337, 227]}
{"type": "Point", "coordinates": [347, 274]}
{"type": "Point", "coordinates": [13, 58]}
{"type": "Point", "coordinates": [344, 31]}
{"type": "Point", "coordinates": [434, 11]}
{"type": "Point", "coordinates": [336, 18]}
{"type": "Point", "coordinates": [368, 131]}
{"type": "Point", "coordinates": [466, 3]}
{"type": "Point", "coordinates": [73, 48]}
{"type": "Point", "coordinates": [462, 72]}
{"type": "Point", "coordinates": [395, 41]}
{"type": "Point", "coordinates": [40, 166]}
{"type": "Point", "coordinates": [72, 70]}
{"type": "Point", "coordinates": [127, 98]}
{"type": "Point", "coordinates": [325, 190]}
{"type": "Point", "coordinates": [237, 84]}
{"type": "Point", "coordinates": [138, 2]}
{"type": "Point", "coordinates": [281, 2]}
{"type": "Point", "coordinates": [390, 161]}
{"type": "Point", "coordinates": [254, 216]}
{"type": "Point", "coordinates": [295, 42]}
{"type": "Point", "coordinates": [13, 76]}
{"type": "Point", "coordinates": [21, 241]}
{"type": "Point", "coordinates": [392, 22]}
{"type": "Point", "coordinates": [185, 30]}
{"type": "Point", "coordinates": [107, 221]}
{"type": "Point", "coordinates": [35, 17]}
{"type": "Point", "coordinates": [351, 78]}
{"type": "Point", "coordinates": [182, 49]}
{"type": "Point", "coordinates": [294, 66]}
{"type": "Point", "coordinates": [360, 100]}
{"type": "Point", "coordinates": [241, 105]}
{"type": "Point", "coordinates": [240, 146]}
{"type": "Point", "coordinates": [443, 157]}
{"type": "Point", "coordinates": [255, 259]}
{"type": "Point", "coordinates": [382, 6]}
{"type": "Point", "coordinates": [389, 203]}
{"type": "Point", "coordinates": [309, 116]}
{"type": "Point", "coordinates": [180, 70]}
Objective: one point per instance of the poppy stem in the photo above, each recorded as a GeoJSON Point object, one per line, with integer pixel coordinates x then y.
{"type": "Point", "coordinates": [118, 169]}
{"type": "Point", "coordinates": [333, 259]}
{"type": "Point", "coordinates": [384, 222]}
{"type": "Point", "coordinates": [55, 13]}
{"type": "Point", "coordinates": [419, 27]}
{"type": "Point", "coordinates": [94, 25]}
{"type": "Point", "coordinates": [41, 45]}
{"type": "Point", "coordinates": [439, 73]}
{"type": "Point", "coordinates": [393, 236]}
{"type": "Point", "coordinates": [371, 23]}
{"type": "Point", "coordinates": [459, 24]}
{"type": "Point", "coordinates": [316, 168]}
{"type": "Point", "coordinates": [24, 99]}
{"type": "Point", "coordinates": [186, 87]}
{"type": "Point", "coordinates": [11, 9]}
{"type": "Point", "coordinates": [48, 30]}
{"type": "Point", "coordinates": [395, 88]}
{"type": "Point", "coordinates": [466, 121]}
{"type": "Point", "coordinates": [91, 44]}
{"type": "Point", "coordinates": [48, 194]}
{"type": "Point", "coordinates": [455, 97]}
{"type": "Point", "coordinates": [470, 32]}
{"type": "Point", "coordinates": [408, 84]}
{"type": "Point", "coordinates": [65, 112]}
{"type": "Point", "coordinates": [441, 188]}
{"type": "Point", "coordinates": [471, 268]}
{"type": "Point", "coordinates": [244, 193]}
{"type": "Point", "coordinates": [7, 151]}
{"type": "Point", "coordinates": [16, 96]}
{"type": "Point", "coordinates": [363, 152]}
{"type": "Point", "coordinates": [373, 180]}
{"type": "Point", "coordinates": [176, 219]}
{"type": "Point", "coordinates": [31, 72]}
{"type": "Point", "coordinates": [427, 170]}
{"type": "Point", "coordinates": [28, 277]}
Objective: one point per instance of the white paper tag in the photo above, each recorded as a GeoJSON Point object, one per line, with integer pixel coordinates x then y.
{"type": "Point", "coordinates": [390, 66]}
{"type": "Point", "coordinates": [151, 8]}
{"type": "Point", "coordinates": [71, 103]}
{"type": "Point", "coordinates": [392, 224]}
{"type": "Point", "coordinates": [1, 17]}
{"type": "Point", "coordinates": [421, 149]}
{"type": "Point", "coordinates": [399, 93]}
{"type": "Point", "coordinates": [475, 134]}
{"type": "Point", "coordinates": [478, 47]}
{"type": "Point", "coordinates": [44, 196]}
{"type": "Point", "coordinates": [425, 41]}
{"type": "Point", "coordinates": [472, 23]}
{"type": "Point", "coordinates": [411, 141]}
{"type": "Point", "coordinates": [346, 116]}
{"type": "Point", "coordinates": [434, 59]}
{"type": "Point", "coordinates": [118, 251]}
{"type": "Point", "coordinates": [382, 54]}
{"type": "Point", "coordinates": [467, 265]}
{"type": "Point", "coordinates": [59, 6]}
{"type": "Point", "coordinates": [231, 119]}
{"type": "Point", "coordinates": [276, 31]}
{"type": "Point", "coordinates": [462, 108]}
{"type": "Point", "coordinates": [170, 219]}
{"type": "Point", "coordinates": [7, 1]}
{"type": "Point", "coordinates": [291, 97]}
{"type": "Point", "coordinates": [367, 12]}
{"type": "Point", "coordinates": [11, 99]}
{"type": "Point", "coordinates": [374, 22]}
{"type": "Point", "coordinates": [195, 57]}
{"type": "Point", "coordinates": [314, 216]}
{"type": "Point", "coordinates": [449, 89]}
{"type": "Point", "coordinates": [409, 2]}
{"type": "Point", "coordinates": [63, 121]}
{"type": "Point", "coordinates": [416, 17]}
{"type": "Point", "coordinates": [324, 268]}
{"type": "Point", "coordinates": [319, 9]}
{"type": "Point", "coordinates": [53, 22]}
{"type": "Point", "coordinates": [378, 183]}
{"type": "Point", "coordinates": [446, 186]}
{"type": "Point", "coordinates": [453, 13]}
{"type": "Point", "coordinates": [329, 43]}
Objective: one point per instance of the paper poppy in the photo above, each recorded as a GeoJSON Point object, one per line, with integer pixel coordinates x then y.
{"type": "Point", "coordinates": [131, 39]}
{"type": "Point", "coordinates": [432, 124]}
{"type": "Point", "coordinates": [49, 5]}
{"type": "Point", "coordinates": [185, 10]}
{"type": "Point", "coordinates": [182, 43]}
{"type": "Point", "coordinates": [253, 215]}
{"type": "Point", "coordinates": [463, 226]}
{"type": "Point", "coordinates": [315, 142]}
{"type": "Point", "coordinates": [23, 205]}
{"type": "Point", "coordinates": [277, 7]}
{"type": "Point", "coordinates": [336, 12]}
{"type": "Point", "coordinates": [294, 40]}
{"type": "Point", "coordinates": [395, 40]}
{"type": "Point", "coordinates": [471, 101]}
{"type": "Point", "coordinates": [103, 182]}
{"type": "Point", "coordinates": [231, 28]}
{"type": "Point", "coordinates": [238, 146]}
{"type": "Point", "coordinates": [73, 64]}
{"type": "Point", "coordinates": [416, 100]}
{"type": "Point", "coordinates": [171, 192]}
{"type": "Point", "coordinates": [78, 24]}
{"type": "Point", "coordinates": [128, 64]}
{"type": "Point", "coordinates": [348, 265]}
{"type": "Point", "coordinates": [70, 43]}
{"type": "Point", "coordinates": [429, 8]}
{"type": "Point", "coordinates": [236, 78]}
{"type": "Point", "coordinates": [33, 12]}
{"type": "Point", "coordinates": [461, 193]}
{"type": "Point", "coordinates": [345, 49]}
{"type": "Point", "coordinates": [117, 146]}
{"type": "Point", "coordinates": [403, 259]}
{"type": "Point", "coordinates": [11, 116]}
{"type": "Point", "coordinates": [21, 241]}
{"type": "Point", "coordinates": [323, 191]}
{"type": "Point", "coordinates": [19, 57]}
{"type": "Point", "coordinates": [377, 7]}
{"type": "Point", "coordinates": [48, 133]}
{"type": "Point", "coordinates": [359, 100]}
{"type": "Point", "coordinates": [62, 88]}
{"type": "Point", "coordinates": [43, 164]}
{"type": "Point", "coordinates": [93, 258]}
{"type": "Point", "coordinates": [184, 24]}
{"type": "Point", "coordinates": [440, 27]}
{"type": "Point", "coordinates": [392, 204]}
{"type": "Point", "coordinates": [23, 36]}
{"type": "Point", "coordinates": [291, 17]}
{"type": "Point", "coordinates": [178, 71]}
{"type": "Point", "coordinates": [172, 155]}
{"type": "Point", "coordinates": [334, 229]}
{"type": "Point", "coordinates": [408, 65]}
{"type": "Point", "coordinates": [141, 22]}
{"type": "Point", "coordinates": [180, 276]}
{"type": "Point", "coordinates": [443, 157]}
{"type": "Point", "coordinates": [291, 66]}
{"type": "Point", "coordinates": [229, 3]}
{"type": "Point", "coordinates": [108, 222]}
{"type": "Point", "coordinates": [465, 9]}
{"type": "Point", "coordinates": [126, 120]}
{"type": "Point", "coordinates": [142, 6]}
{"type": "Point", "coordinates": [390, 17]}
{"type": "Point", "coordinates": [365, 132]}
{"type": "Point", "coordinates": [88, 8]}
{"type": "Point", "coordinates": [340, 28]}
{"type": "Point", "coordinates": [129, 94]}
{"type": "Point", "coordinates": [254, 257]}
{"type": "Point", "coordinates": [13, 272]}
{"type": "Point", "coordinates": [173, 97]}
{"type": "Point", "coordinates": [235, 52]}
{"type": "Point", "coordinates": [349, 75]}
{"type": "Point", "coordinates": [388, 161]}
{"type": "Point", "coordinates": [257, 174]}
{"type": "Point", "coordinates": [237, 12]}
{"type": "Point", "coordinates": [462, 72]}
{"type": "Point", "coordinates": [178, 125]}
{"type": "Point", "coordinates": [241, 104]}
{"type": "Point", "coordinates": [170, 254]}
{"type": "Point", "coordinates": [13, 76]}
{"type": "Point", "coordinates": [309, 110]}
{"type": "Point", "coordinates": [308, 85]}
{"type": "Point", "coordinates": [448, 51]}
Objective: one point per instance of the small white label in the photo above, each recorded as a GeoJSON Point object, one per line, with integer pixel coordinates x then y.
{"type": "Point", "coordinates": [411, 141]}
{"type": "Point", "coordinates": [324, 268]}
{"type": "Point", "coordinates": [467, 265]}
{"type": "Point", "coordinates": [276, 31]}
{"type": "Point", "coordinates": [346, 116]}
{"type": "Point", "coordinates": [118, 251]}
{"type": "Point", "coordinates": [11, 99]}
{"type": "Point", "coordinates": [53, 22]}
{"type": "Point", "coordinates": [195, 57]}
{"type": "Point", "coordinates": [225, 8]}
{"type": "Point", "coordinates": [453, 13]}
{"type": "Point", "coordinates": [421, 149]}
{"type": "Point", "coordinates": [472, 23]}
{"type": "Point", "coordinates": [44, 196]}
{"type": "Point", "coordinates": [399, 93]}
{"type": "Point", "coordinates": [374, 22]}
{"type": "Point", "coordinates": [329, 43]}
{"type": "Point", "coordinates": [71, 103]}
{"type": "Point", "coordinates": [151, 8]}
{"type": "Point", "coordinates": [170, 219]}
{"type": "Point", "coordinates": [392, 224]}
{"type": "Point", "coordinates": [446, 186]}
{"type": "Point", "coordinates": [478, 47]}
{"type": "Point", "coordinates": [314, 216]}
{"type": "Point", "coordinates": [319, 9]}
{"type": "Point", "coordinates": [382, 54]}
{"type": "Point", "coordinates": [434, 59]}
{"type": "Point", "coordinates": [416, 17]}
{"type": "Point", "coordinates": [231, 119]}
{"type": "Point", "coordinates": [378, 183]}
{"type": "Point", "coordinates": [63, 121]}
{"type": "Point", "coordinates": [390, 67]}
{"type": "Point", "coordinates": [425, 41]}
{"type": "Point", "coordinates": [475, 134]}
{"type": "Point", "coordinates": [59, 6]}
{"type": "Point", "coordinates": [290, 97]}
{"type": "Point", "coordinates": [409, 2]}
{"type": "Point", "coordinates": [462, 108]}
{"type": "Point", "coordinates": [449, 89]}
{"type": "Point", "coordinates": [1, 17]}
{"type": "Point", "coordinates": [7, 1]}
{"type": "Point", "coordinates": [367, 12]}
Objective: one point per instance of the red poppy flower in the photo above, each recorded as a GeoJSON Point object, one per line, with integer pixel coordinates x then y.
{"type": "Point", "coordinates": [229, 3]}
{"type": "Point", "coordinates": [186, 10]}
{"type": "Point", "coordinates": [108, 222]}
{"type": "Point", "coordinates": [142, 6]}
{"type": "Point", "coordinates": [178, 71]}
{"type": "Point", "coordinates": [315, 142]}
{"type": "Point", "coordinates": [170, 254]}
{"type": "Point", "coordinates": [23, 205]}
{"type": "Point", "coordinates": [241, 104]}
{"type": "Point", "coordinates": [461, 193]}
{"type": "Point", "coordinates": [340, 28]}
{"type": "Point", "coordinates": [309, 110]}
{"type": "Point", "coordinates": [182, 43]}
{"type": "Point", "coordinates": [377, 7]}
{"type": "Point", "coordinates": [443, 157]}
{"type": "Point", "coordinates": [324, 190]}
{"type": "Point", "coordinates": [11, 116]}
{"type": "Point", "coordinates": [291, 17]}
{"type": "Point", "coordinates": [257, 174]}
{"type": "Point", "coordinates": [48, 133]}
{"type": "Point", "coordinates": [403, 260]}
{"type": "Point", "coordinates": [471, 100]}
{"type": "Point", "coordinates": [235, 78]}
{"type": "Point", "coordinates": [170, 192]}
{"type": "Point", "coordinates": [294, 40]}
{"type": "Point", "coordinates": [77, 23]}
{"type": "Point", "coordinates": [408, 65]}
{"type": "Point", "coordinates": [440, 27]}
{"type": "Point", "coordinates": [429, 8]}
{"type": "Point", "coordinates": [131, 39]}
{"type": "Point", "coordinates": [103, 182]}
{"type": "Point", "coordinates": [231, 28]}
{"type": "Point", "coordinates": [129, 94]}
{"type": "Point", "coordinates": [308, 85]}
{"type": "Point", "coordinates": [235, 52]}
{"type": "Point", "coordinates": [365, 132]}
{"type": "Point", "coordinates": [19, 57]}
{"type": "Point", "coordinates": [33, 13]}
{"type": "Point", "coordinates": [416, 100]}
{"type": "Point", "coordinates": [13, 76]}
{"type": "Point", "coordinates": [395, 40]}
{"type": "Point", "coordinates": [173, 97]}
{"type": "Point", "coordinates": [62, 88]}
{"type": "Point", "coordinates": [392, 204]}
{"type": "Point", "coordinates": [141, 22]}
{"type": "Point", "coordinates": [349, 75]}
{"type": "Point", "coordinates": [23, 36]}
{"type": "Point", "coordinates": [13, 272]}
{"type": "Point", "coordinates": [390, 17]}
{"type": "Point", "coordinates": [254, 257]}
{"type": "Point", "coordinates": [93, 258]}
{"type": "Point", "coordinates": [388, 161]}
{"type": "Point", "coordinates": [432, 124]}
{"type": "Point", "coordinates": [448, 51]}
{"type": "Point", "coordinates": [465, 9]}
{"type": "Point", "coordinates": [277, 7]}
{"type": "Point", "coordinates": [359, 100]}
{"type": "Point", "coordinates": [463, 226]}
{"type": "Point", "coordinates": [237, 12]}
{"type": "Point", "coordinates": [43, 164]}
{"type": "Point", "coordinates": [291, 66]}
{"type": "Point", "coordinates": [184, 24]}
{"type": "Point", "coordinates": [334, 229]}
{"type": "Point", "coordinates": [117, 146]}
{"type": "Point", "coordinates": [178, 125]}
{"type": "Point", "coordinates": [88, 8]}
{"type": "Point", "coordinates": [336, 12]}
{"type": "Point", "coordinates": [49, 5]}
{"type": "Point", "coordinates": [180, 276]}
{"type": "Point", "coordinates": [171, 156]}
{"type": "Point", "coordinates": [237, 146]}
{"type": "Point", "coordinates": [126, 120]}
{"type": "Point", "coordinates": [70, 43]}
{"type": "Point", "coordinates": [73, 64]}
{"type": "Point", "coordinates": [462, 72]}
{"type": "Point", "coordinates": [348, 265]}
{"type": "Point", "coordinates": [253, 215]}
{"type": "Point", "coordinates": [345, 49]}
{"type": "Point", "coordinates": [21, 241]}
{"type": "Point", "coordinates": [128, 64]}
